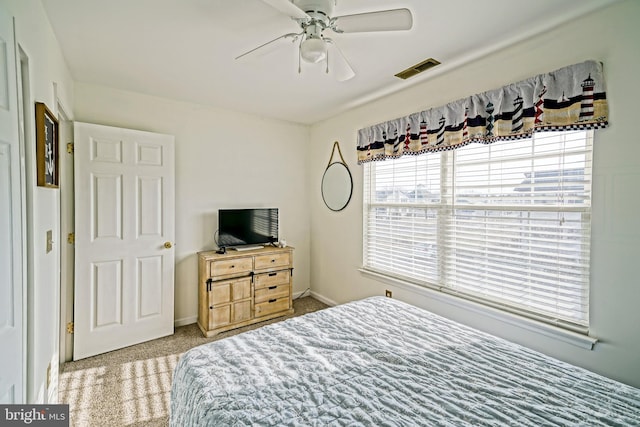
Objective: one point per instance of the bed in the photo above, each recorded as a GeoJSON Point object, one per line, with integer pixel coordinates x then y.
{"type": "Point", "coordinates": [382, 362]}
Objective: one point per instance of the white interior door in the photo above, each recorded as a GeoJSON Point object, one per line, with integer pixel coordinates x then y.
{"type": "Point", "coordinates": [11, 253]}
{"type": "Point", "coordinates": [124, 213]}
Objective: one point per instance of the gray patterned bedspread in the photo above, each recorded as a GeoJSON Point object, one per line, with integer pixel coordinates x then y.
{"type": "Point", "coordinates": [381, 362]}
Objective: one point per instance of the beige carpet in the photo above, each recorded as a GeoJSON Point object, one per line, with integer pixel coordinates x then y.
{"type": "Point", "coordinates": [132, 386]}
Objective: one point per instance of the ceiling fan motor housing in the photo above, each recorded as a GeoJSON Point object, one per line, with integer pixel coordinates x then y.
{"type": "Point", "coordinates": [316, 9]}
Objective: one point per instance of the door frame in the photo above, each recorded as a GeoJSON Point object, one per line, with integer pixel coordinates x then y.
{"type": "Point", "coordinates": [26, 199]}
{"type": "Point", "coordinates": [67, 250]}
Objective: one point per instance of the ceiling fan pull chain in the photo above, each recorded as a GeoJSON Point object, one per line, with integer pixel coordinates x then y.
{"type": "Point", "coordinates": [327, 71]}
{"type": "Point", "coordinates": [299, 57]}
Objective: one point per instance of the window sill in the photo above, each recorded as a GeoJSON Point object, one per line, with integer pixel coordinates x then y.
{"type": "Point", "coordinates": [567, 336]}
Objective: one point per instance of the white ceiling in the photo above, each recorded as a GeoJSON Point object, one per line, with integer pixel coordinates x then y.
{"type": "Point", "coordinates": [185, 49]}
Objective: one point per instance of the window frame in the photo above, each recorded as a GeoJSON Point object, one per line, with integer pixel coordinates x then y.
{"type": "Point", "coordinates": [445, 209]}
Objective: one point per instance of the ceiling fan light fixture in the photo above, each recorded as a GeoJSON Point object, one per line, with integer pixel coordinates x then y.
{"type": "Point", "coordinates": [313, 50]}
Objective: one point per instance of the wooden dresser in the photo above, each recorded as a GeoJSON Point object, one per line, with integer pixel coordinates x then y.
{"type": "Point", "coordinates": [240, 288]}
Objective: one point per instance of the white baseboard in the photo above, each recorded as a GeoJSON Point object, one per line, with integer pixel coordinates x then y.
{"type": "Point", "coordinates": [297, 295]}
{"type": "Point", "coordinates": [323, 299]}
{"type": "Point", "coordinates": [316, 296]}
{"type": "Point", "coordinates": [193, 319]}
{"type": "Point", "coordinates": [185, 321]}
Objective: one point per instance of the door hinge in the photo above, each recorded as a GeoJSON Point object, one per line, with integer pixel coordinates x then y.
{"type": "Point", "coordinates": [70, 327]}
{"type": "Point", "coordinates": [70, 147]}
{"type": "Point", "coordinates": [71, 238]}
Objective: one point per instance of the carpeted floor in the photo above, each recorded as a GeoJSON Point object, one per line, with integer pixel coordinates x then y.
{"type": "Point", "coordinates": [132, 386]}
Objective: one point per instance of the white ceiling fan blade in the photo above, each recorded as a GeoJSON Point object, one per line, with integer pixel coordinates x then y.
{"type": "Point", "coordinates": [267, 47]}
{"type": "Point", "coordinates": [338, 63]}
{"type": "Point", "coordinates": [288, 8]}
{"type": "Point", "coordinates": [384, 20]}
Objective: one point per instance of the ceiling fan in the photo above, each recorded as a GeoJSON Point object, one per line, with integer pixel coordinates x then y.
{"type": "Point", "coordinates": [316, 16]}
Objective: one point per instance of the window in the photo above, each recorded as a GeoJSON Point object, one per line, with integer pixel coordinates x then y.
{"type": "Point", "coordinates": [506, 224]}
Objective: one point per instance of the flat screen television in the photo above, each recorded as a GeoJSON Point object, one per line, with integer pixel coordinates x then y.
{"type": "Point", "coordinates": [242, 227]}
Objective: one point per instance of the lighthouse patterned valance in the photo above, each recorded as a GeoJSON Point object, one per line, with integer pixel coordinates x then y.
{"type": "Point", "coordinates": [570, 98]}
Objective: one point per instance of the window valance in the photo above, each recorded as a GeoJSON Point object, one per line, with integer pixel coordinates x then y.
{"type": "Point", "coordinates": [570, 98]}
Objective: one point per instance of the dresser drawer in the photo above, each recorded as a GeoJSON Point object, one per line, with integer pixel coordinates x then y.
{"type": "Point", "coordinates": [227, 267]}
{"type": "Point", "coordinates": [264, 280]}
{"type": "Point", "coordinates": [271, 306]}
{"type": "Point", "coordinates": [272, 260]}
{"type": "Point", "coordinates": [272, 292]}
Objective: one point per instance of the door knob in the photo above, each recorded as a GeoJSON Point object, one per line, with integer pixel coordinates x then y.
{"type": "Point", "coordinates": [167, 245]}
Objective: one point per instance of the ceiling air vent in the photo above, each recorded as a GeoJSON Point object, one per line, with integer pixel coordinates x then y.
{"type": "Point", "coordinates": [418, 68]}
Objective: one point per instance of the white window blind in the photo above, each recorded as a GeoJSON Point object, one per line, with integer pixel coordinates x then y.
{"type": "Point", "coordinates": [506, 224]}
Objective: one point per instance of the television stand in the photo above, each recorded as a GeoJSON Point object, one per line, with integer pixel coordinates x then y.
{"type": "Point", "coordinates": [247, 248]}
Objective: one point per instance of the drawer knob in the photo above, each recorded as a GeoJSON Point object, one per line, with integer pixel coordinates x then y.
{"type": "Point", "coordinates": [272, 287]}
{"type": "Point", "coordinates": [273, 260]}
{"type": "Point", "coordinates": [272, 300]}
{"type": "Point", "coordinates": [233, 266]}
{"type": "Point", "coordinates": [273, 274]}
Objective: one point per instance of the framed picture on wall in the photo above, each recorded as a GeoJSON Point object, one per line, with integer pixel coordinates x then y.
{"type": "Point", "coordinates": [46, 147]}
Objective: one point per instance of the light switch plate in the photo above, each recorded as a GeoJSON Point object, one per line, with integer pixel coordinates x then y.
{"type": "Point", "coordinates": [49, 240]}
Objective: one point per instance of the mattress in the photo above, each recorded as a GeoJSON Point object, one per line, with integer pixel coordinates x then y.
{"type": "Point", "coordinates": [382, 362]}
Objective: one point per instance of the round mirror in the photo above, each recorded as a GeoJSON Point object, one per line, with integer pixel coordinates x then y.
{"type": "Point", "coordinates": [337, 186]}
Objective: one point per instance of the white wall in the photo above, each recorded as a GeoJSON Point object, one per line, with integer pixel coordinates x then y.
{"type": "Point", "coordinates": [46, 64]}
{"type": "Point", "coordinates": [224, 159]}
{"type": "Point", "coordinates": [609, 35]}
